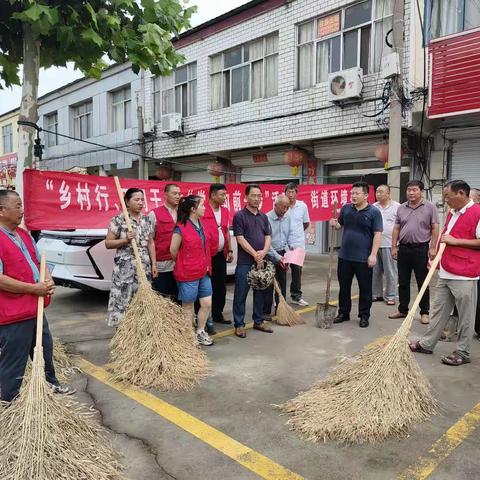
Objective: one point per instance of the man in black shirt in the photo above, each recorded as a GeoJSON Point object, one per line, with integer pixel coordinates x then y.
{"type": "Point", "coordinates": [362, 233]}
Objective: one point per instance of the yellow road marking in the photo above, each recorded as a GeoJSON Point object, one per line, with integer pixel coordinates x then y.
{"type": "Point", "coordinates": [230, 331]}
{"type": "Point", "coordinates": [245, 456]}
{"type": "Point", "coordinates": [443, 447]}
{"type": "Point", "coordinates": [248, 326]}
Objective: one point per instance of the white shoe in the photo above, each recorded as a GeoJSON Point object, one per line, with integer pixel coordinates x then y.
{"type": "Point", "coordinates": [300, 302]}
{"type": "Point", "coordinates": [204, 339]}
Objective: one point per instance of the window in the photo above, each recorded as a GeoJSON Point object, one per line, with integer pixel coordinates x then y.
{"type": "Point", "coordinates": [351, 37]}
{"type": "Point", "coordinates": [121, 109]}
{"type": "Point", "coordinates": [51, 122]}
{"type": "Point", "coordinates": [82, 120]}
{"type": "Point", "coordinates": [7, 136]}
{"type": "Point", "coordinates": [244, 73]}
{"type": "Point", "coordinates": [176, 93]}
{"type": "Point", "coordinates": [452, 16]}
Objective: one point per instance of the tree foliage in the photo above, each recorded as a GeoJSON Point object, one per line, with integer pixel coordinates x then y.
{"type": "Point", "coordinates": [85, 31]}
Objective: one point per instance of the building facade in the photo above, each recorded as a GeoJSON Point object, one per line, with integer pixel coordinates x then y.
{"type": "Point", "coordinates": [8, 147]}
{"type": "Point", "coordinates": [256, 83]}
{"type": "Point", "coordinates": [452, 30]}
{"type": "Point", "coordinates": [102, 112]}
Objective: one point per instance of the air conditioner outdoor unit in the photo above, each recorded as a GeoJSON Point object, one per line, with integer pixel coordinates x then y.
{"type": "Point", "coordinates": [172, 123]}
{"type": "Point", "coordinates": [345, 85]}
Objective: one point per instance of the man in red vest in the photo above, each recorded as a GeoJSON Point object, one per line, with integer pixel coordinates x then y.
{"type": "Point", "coordinates": [164, 219]}
{"type": "Point", "coordinates": [215, 222]}
{"type": "Point", "coordinates": [20, 288]}
{"type": "Point", "coordinates": [458, 276]}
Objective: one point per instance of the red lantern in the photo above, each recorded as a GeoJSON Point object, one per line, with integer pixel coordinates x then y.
{"type": "Point", "coordinates": [163, 173]}
{"type": "Point", "coordinates": [381, 152]}
{"type": "Point", "coordinates": [295, 157]}
{"type": "Point", "coordinates": [216, 169]}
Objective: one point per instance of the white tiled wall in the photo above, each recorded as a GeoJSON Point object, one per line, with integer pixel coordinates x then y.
{"type": "Point", "coordinates": [212, 131]}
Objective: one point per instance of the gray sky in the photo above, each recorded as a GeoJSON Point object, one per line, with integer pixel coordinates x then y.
{"type": "Point", "coordinates": [53, 78]}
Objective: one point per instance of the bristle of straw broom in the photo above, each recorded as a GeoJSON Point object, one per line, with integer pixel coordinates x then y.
{"type": "Point", "coordinates": [285, 315]}
{"type": "Point", "coordinates": [381, 393]}
{"type": "Point", "coordinates": [154, 345]}
{"type": "Point", "coordinates": [43, 437]}
{"type": "Point", "coordinates": [63, 362]}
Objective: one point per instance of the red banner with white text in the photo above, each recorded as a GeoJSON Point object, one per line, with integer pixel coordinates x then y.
{"type": "Point", "coordinates": [62, 201]}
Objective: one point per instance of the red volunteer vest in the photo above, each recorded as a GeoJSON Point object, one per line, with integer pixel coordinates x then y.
{"type": "Point", "coordinates": [192, 262]}
{"type": "Point", "coordinates": [459, 260]}
{"type": "Point", "coordinates": [17, 307]}
{"type": "Point", "coordinates": [163, 233]}
{"type": "Point", "coordinates": [210, 226]}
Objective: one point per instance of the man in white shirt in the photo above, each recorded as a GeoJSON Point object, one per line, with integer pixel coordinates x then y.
{"type": "Point", "coordinates": [459, 274]}
{"type": "Point", "coordinates": [386, 267]}
{"type": "Point", "coordinates": [300, 222]}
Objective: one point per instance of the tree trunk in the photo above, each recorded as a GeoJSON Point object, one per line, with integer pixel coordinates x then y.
{"type": "Point", "coordinates": [28, 106]}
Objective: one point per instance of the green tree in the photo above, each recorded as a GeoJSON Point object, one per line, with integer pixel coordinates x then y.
{"type": "Point", "coordinates": [45, 33]}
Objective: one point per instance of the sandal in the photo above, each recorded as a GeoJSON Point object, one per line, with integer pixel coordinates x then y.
{"type": "Point", "coordinates": [417, 348]}
{"type": "Point", "coordinates": [390, 302]}
{"type": "Point", "coordinates": [455, 359]}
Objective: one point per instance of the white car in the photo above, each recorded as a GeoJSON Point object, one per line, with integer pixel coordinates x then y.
{"type": "Point", "coordinates": [79, 258]}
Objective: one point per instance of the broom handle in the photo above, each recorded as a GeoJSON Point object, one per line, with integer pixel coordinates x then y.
{"type": "Point", "coordinates": [276, 286]}
{"type": "Point", "coordinates": [41, 302]}
{"type": "Point", "coordinates": [333, 236]}
{"type": "Point", "coordinates": [140, 270]}
{"type": "Point", "coordinates": [416, 303]}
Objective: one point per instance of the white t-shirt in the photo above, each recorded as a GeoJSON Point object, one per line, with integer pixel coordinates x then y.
{"type": "Point", "coordinates": [218, 219]}
{"type": "Point", "coordinates": [389, 214]}
{"type": "Point", "coordinates": [453, 220]}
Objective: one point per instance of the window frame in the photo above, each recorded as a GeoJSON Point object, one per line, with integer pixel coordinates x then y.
{"type": "Point", "coordinates": [8, 135]}
{"type": "Point", "coordinates": [49, 126]}
{"type": "Point", "coordinates": [372, 23]}
{"type": "Point", "coordinates": [88, 114]}
{"type": "Point", "coordinates": [244, 63]}
{"type": "Point", "coordinates": [159, 89]}
{"type": "Point", "coordinates": [126, 119]}
{"type": "Point", "coordinates": [429, 5]}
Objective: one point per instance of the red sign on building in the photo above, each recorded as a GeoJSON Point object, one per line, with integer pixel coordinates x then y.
{"type": "Point", "coordinates": [454, 71]}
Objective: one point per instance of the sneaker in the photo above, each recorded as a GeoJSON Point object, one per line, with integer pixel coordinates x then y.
{"type": "Point", "coordinates": [204, 339]}
{"type": "Point", "coordinates": [63, 389]}
{"type": "Point", "coordinates": [300, 302]}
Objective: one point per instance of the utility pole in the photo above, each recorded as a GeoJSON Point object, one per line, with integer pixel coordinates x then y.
{"type": "Point", "coordinates": [395, 134]}
{"type": "Point", "coordinates": [141, 159]}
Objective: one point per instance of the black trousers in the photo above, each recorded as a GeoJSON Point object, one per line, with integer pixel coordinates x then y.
{"type": "Point", "coordinates": [17, 341]}
{"type": "Point", "coordinates": [166, 285]}
{"type": "Point", "coordinates": [219, 285]}
{"type": "Point", "coordinates": [281, 276]}
{"type": "Point", "coordinates": [412, 258]}
{"type": "Point", "coordinates": [346, 270]}
{"type": "Point", "coordinates": [296, 283]}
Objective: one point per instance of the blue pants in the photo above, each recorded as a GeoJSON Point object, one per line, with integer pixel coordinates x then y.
{"type": "Point", "coordinates": [17, 341]}
{"type": "Point", "coordinates": [240, 297]}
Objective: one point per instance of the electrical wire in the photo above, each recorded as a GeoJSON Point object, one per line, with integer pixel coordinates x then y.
{"type": "Point", "coordinates": [164, 161]}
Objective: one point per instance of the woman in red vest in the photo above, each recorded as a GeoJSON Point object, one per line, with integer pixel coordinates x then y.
{"type": "Point", "coordinates": [124, 277]}
{"type": "Point", "coordinates": [190, 248]}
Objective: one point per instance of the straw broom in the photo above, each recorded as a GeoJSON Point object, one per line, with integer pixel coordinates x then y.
{"type": "Point", "coordinates": [378, 394]}
{"type": "Point", "coordinates": [285, 315]}
{"type": "Point", "coordinates": [42, 437]}
{"type": "Point", "coordinates": [154, 345]}
{"type": "Point", "coordinates": [62, 360]}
